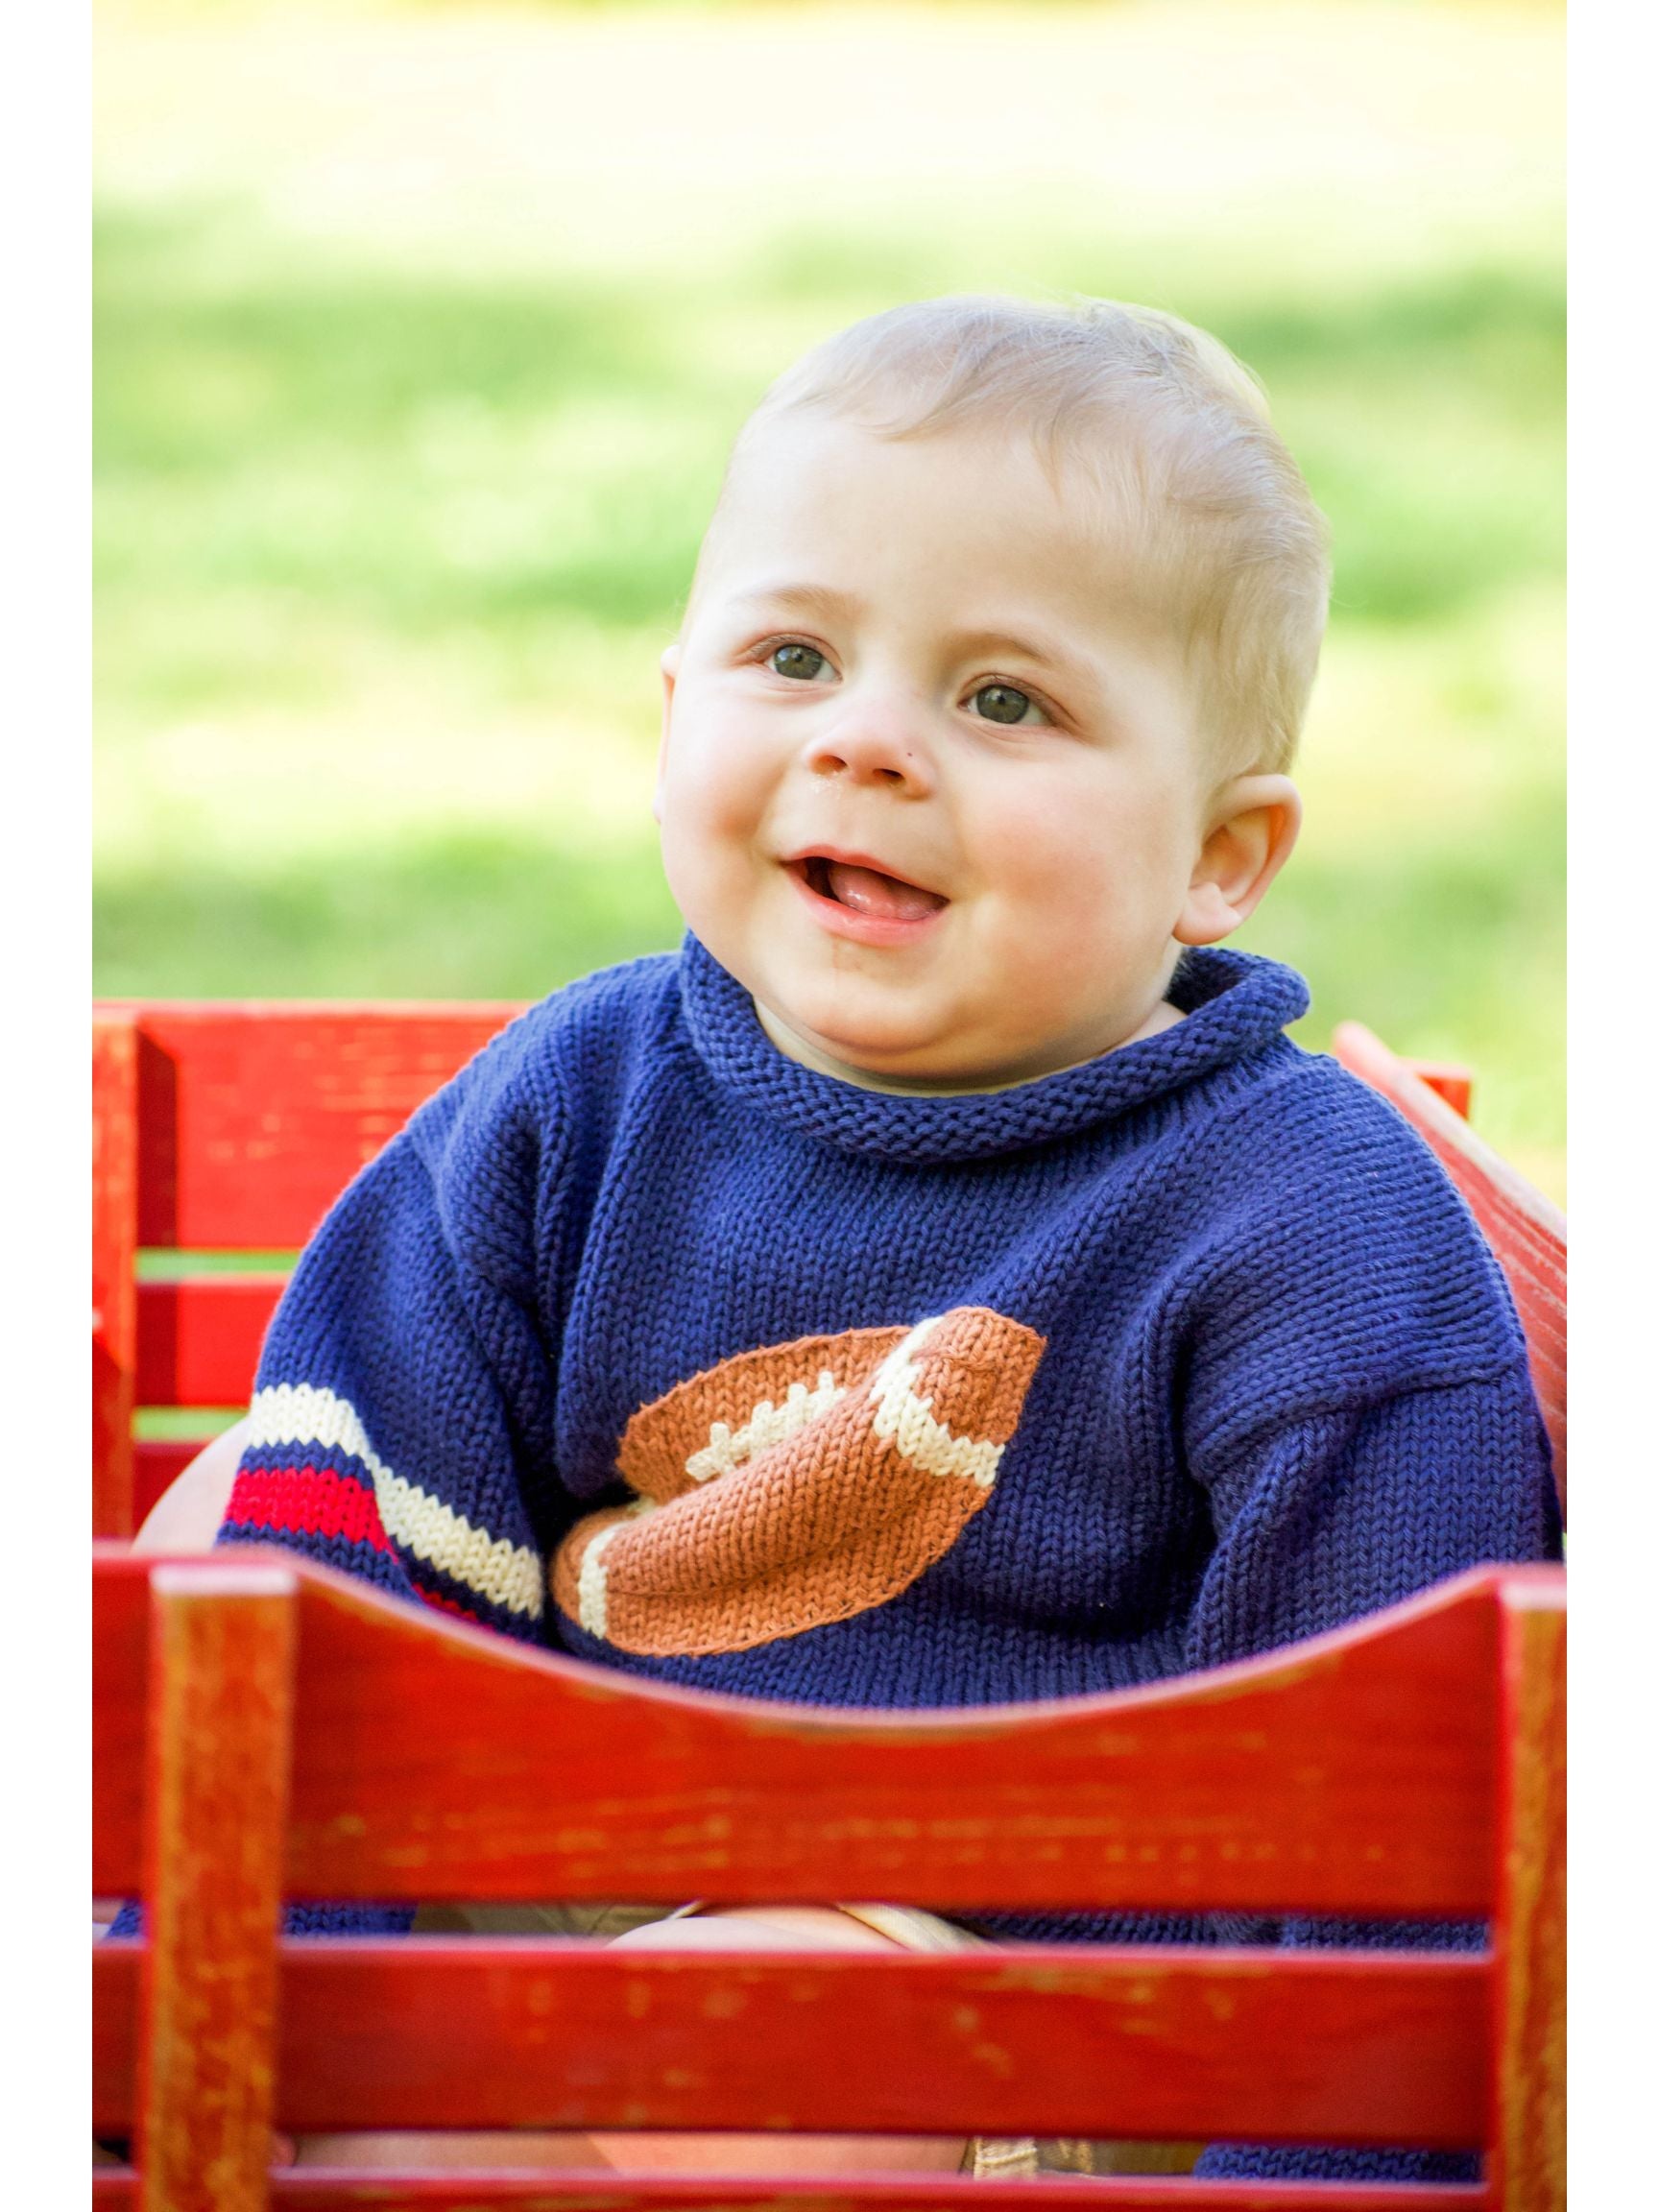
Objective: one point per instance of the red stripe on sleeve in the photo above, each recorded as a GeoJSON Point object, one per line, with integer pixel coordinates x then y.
{"type": "Point", "coordinates": [306, 1501]}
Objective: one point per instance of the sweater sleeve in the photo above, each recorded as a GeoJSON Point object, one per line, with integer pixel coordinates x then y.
{"type": "Point", "coordinates": [401, 1426]}
{"type": "Point", "coordinates": [1354, 1398]}
{"type": "Point", "coordinates": [1342, 1513]}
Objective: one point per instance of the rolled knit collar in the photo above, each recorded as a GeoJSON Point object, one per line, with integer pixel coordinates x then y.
{"type": "Point", "coordinates": [1236, 1004]}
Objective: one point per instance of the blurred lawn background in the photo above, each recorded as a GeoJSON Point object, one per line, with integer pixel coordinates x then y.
{"type": "Point", "coordinates": [422, 330]}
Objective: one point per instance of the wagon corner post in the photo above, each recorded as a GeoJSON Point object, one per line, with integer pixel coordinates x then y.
{"type": "Point", "coordinates": [1528, 2132]}
{"type": "Point", "coordinates": [223, 1645]}
{"type": "Point", "coordinates": [115, 1260]}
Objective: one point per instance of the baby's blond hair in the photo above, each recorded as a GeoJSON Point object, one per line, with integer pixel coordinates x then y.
{"type": "Point", "coordinates": [1223, 531]}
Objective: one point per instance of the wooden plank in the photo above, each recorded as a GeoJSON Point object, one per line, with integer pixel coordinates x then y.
{"type": "Point", "coordinates": [1528, 1234]}
{"type": "Point", "coordinates": [199, 1337]}
{"type": "Point", "coordinates": [1358, 2046]}
{"type": "Point", "coordinates": [1355, 1776]}
{"type": "Point", "coordinates": [1287, 2047]}
{"type": "Point", "coordinates": [115, 1253]}
{"type": "Point", "coordinates": [1529, 2129]}
{"type": "Point", "coordinates": [321, 2190]}
{"type": "Point", "coordinates": [1351, 1774]}
{"type": "Point", "coordinates": [221, 1670]}
{"type": "Point", "coordinates": [254, 1115]}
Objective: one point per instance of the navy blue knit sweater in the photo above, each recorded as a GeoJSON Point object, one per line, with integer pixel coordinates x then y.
{"type": "Point", "coordinates": [645, 1342]}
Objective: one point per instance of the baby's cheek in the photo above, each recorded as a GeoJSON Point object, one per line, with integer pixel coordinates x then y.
{"type": "Point", "coordinates": [730, 806]}
{"type": "Point", "coordinates": [709, 819]}
{"type": "Point", "coordinates": [1051, 867]}
{"type": "Point", "coordinates": [1084, 916]}
{"type": "Point", "coordinates": [691, 862]}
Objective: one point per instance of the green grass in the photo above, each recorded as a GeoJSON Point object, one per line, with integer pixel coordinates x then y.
{"type": "Point", "coordinates": [410, 412]}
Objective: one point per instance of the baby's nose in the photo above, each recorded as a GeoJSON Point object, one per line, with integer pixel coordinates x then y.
{"type": "Point", "coordinates": [873, 748]}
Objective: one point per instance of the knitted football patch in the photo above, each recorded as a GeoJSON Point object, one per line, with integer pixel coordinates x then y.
{"type": "Point", "coordinates": [798, 1484]}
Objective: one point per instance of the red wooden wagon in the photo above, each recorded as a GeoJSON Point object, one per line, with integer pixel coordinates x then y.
{"type": "Point", "coordinates": [266, 1730]}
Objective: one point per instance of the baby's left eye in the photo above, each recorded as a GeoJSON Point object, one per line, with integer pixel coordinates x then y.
{"type": "Point", "coordinates": [1005, 702]}
{"type": "Point", "coordinates": [804, 662]}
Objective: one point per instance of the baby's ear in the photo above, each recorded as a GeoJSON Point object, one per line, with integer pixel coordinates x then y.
{"type": "Point", "coordinates": [670, 671]}
{"type": "Point", "coordinates": [1253, 830]}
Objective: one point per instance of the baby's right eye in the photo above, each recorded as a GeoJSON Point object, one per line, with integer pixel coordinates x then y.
{"type": "Point", "coordinates": [805, 663]}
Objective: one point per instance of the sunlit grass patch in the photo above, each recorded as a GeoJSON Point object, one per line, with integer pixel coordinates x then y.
{"type": "Point", "coordinates": [473, 914]}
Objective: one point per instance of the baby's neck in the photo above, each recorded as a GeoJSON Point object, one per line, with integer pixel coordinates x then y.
{"type": "Point", "coordinates": [1162, 1016]}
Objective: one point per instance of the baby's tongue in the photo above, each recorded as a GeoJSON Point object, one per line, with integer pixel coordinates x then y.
{"type": "Point", "coordinates": [867, 892]}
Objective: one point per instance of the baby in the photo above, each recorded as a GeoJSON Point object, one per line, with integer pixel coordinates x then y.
{"type": "Point", "coordinates": [941, 1281]}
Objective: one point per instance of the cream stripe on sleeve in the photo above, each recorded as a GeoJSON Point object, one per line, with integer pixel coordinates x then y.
{"type": "Point", "coordinates": [508, 1574]}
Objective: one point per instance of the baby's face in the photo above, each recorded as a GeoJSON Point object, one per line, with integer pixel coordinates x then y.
{"type": "Point", "coordinates": [932, 785]}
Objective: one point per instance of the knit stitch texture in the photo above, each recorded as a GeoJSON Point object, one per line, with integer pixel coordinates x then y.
{"type": "Point", "coordinates": [644, 1342]}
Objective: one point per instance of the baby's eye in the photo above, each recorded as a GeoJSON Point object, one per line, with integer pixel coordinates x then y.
{"type": "Point", "coordinates": [1004, 703]}
{"type": "Point", "coordinates": [805, 663]}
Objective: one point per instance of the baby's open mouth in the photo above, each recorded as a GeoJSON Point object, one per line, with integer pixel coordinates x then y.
{"type": "Point", "coordinates": [867, 890]}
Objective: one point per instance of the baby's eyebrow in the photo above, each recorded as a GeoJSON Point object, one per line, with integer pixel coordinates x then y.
{"type": "Point", "coordinates": [821, 599]}
{"type": "Point", "coordinates": [1047, 652]}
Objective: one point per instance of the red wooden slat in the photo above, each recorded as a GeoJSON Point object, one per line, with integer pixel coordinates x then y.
{"type": "Point", "coordinates": [1294, 2048]}
{"type": "Point", "coordinates": [321, 2190]}
{"type": "Point", "coordinates": [253, 1117]}
{"type": "Point", "coordinates": [155, 1463]}
{"type": "Point", "coordinates": [1361, 2047]}
{"type": "Point", "coordinates": [114, 1252]}
{"type": "Point", "coordinates": [221, 1661]}
{"type": "Point", "coordinates": [1528, 1234]}
{"type": "Point", "coordinates": [1351, 1774]}
{"type": "Point", "coordinates": [199, 1338]}
{"type": "Point", "coordinates": [1528, 2124]}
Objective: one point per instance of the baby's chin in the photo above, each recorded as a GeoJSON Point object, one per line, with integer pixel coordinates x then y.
{"type": "Point", "coordinates": [881, 1050]}
{"type": "Point", "coordinates": [881, 1042]}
